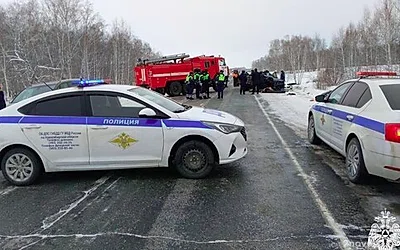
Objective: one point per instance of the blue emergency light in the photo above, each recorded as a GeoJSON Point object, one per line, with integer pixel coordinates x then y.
{"type": "Point", "coordinates": [85, 82]}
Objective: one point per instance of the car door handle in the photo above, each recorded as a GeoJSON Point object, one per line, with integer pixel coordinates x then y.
{"type": "Point", "coordinates": [32, 127]}
{"type": "Point", "coordinates": [329, 111]}
{"type": "Point", "coordinates": [99, 127]}
{"type": "Point", "coordinates": [349, 117]}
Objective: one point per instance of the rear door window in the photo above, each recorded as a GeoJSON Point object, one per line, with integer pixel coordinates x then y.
{"type": "Point", "coordinates": [354, 94]}
{"type": "Point", "coordinates": [364, 98]}
{"type": "Point", "coordinates": [392, 93]}
{"type": "Point", "coordinates": [70, 105]}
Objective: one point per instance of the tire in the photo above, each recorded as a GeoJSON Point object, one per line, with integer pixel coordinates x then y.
{"type": "Point", "coordinates": [175, 88]}
{"type": "Point", "coordinates": [198, 151]}
{"type": "Point", "coordinates": [312, 136]}
{"type": "Point", "coordinates": [355, 165]}
{"type": "Point", "coordinates": [33, 169]}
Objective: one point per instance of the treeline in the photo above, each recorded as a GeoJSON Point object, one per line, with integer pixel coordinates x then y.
{"type": "Point", "coordinates": [45, 40]}
{"type": "Point", "coordinates": [373, 41]}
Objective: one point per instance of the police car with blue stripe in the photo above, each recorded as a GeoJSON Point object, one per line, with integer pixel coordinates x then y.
{"type": "Point", "coordinates": [97, 126]}
{"type": "Point", "coordinates": [360, 119]}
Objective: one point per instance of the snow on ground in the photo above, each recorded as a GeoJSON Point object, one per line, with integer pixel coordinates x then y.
{"type": "Point", "coordinates": [293, 109]}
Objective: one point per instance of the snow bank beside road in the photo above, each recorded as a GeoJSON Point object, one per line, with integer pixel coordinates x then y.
{"type": "Point", "coordinates": [293, 109]}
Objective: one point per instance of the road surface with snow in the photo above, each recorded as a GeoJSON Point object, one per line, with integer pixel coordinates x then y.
{"type": "Point", "coordinates": [283, 195]}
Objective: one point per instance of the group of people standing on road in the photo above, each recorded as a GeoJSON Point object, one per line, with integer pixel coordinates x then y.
{"type": "Point", "coordinates": [199, 81]}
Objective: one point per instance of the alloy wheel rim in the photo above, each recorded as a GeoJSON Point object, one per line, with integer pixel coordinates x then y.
{"type": "Point", "coordinates": [311, 129]}
{"type": "Point", "coordinates": [353, 161]}
{"type": "Point", "coordinates": [19, 167]}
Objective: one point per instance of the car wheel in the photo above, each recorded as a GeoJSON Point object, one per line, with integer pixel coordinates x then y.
{"type": "Point", "coordinates": [312, 136]}
{"type": "Point", "coordinates": [21, 167]}
{"type": "Point", "coordinates": [194, 160]}
{"type": "Point", "coordinates": [355, 165]}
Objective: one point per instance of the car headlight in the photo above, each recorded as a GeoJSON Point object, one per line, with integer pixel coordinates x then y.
{"type": "Point", "coordinates": [223, 127]}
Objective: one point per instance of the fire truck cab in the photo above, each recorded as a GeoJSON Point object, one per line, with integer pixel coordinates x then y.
{"type": "Point", "coordinates": [167, 74]}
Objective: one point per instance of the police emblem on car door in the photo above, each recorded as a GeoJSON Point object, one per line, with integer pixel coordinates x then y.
{"type": "Point", "coordinates": [117, 135]}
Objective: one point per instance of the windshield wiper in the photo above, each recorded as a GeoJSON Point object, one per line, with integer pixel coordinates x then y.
{"type": "Point", "coordinates": [186, 106]}
{"type": "Point", "coordinates": [179, 110]}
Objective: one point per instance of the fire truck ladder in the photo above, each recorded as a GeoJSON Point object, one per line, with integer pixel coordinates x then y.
{"type": "Point", "coordinates": [167, 58]}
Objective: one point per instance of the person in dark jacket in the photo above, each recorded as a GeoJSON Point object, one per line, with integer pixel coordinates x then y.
{"type": "Point", "coordinates": [2, 98]}
{"type": "Point", "coordinates": [256, 79]}
{"type": "Point", "coordinates": [243, 82]}
{"type": "Point", "coordinates": [282, 76]}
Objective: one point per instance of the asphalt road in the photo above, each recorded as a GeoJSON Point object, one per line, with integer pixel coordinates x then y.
{"type": "Point", "coordinates": [283, 195]}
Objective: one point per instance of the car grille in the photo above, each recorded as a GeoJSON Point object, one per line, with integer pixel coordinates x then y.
{"type": "Point", "coordinates": [243, 132]}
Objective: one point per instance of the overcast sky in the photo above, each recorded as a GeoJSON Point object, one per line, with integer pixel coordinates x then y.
{"type": "Point", "coordinates": [236, 29]}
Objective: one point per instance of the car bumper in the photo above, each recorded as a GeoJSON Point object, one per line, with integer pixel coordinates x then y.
{"type": "Point", "coordinates": [383, 159]}
{"type": "Point", "coordinates": [232, 147]}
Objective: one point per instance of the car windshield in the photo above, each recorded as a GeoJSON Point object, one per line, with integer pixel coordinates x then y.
{"type": "Point", "coordinates": [32, 91]}
{"type": "Point", "coordinates": [160, 100]}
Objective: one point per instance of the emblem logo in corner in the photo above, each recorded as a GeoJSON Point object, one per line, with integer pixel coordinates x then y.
{"type": "Point", "coordinates": [384, 234]}
{"type": "Point", "coordinates": [123, 141]}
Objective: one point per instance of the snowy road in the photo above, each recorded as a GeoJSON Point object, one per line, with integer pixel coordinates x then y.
{"type": "Point", "coordinates": [283, 195]}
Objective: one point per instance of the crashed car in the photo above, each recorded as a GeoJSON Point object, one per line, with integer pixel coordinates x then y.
{"type": "Point", "coordinates": [269, 84]}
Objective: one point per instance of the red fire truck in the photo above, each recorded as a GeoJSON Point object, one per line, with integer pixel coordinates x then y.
{"type": "Point", "coordinates": [167, 74]}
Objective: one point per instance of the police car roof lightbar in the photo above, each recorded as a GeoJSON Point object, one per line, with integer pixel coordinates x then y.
{"type": "Point", "coordinates": [376, 73]}
{"type": "Point", "coordinates": [86, 83]}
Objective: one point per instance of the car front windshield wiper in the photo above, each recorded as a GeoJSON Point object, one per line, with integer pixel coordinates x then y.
{"type": "Point", "coordinates": [186, 107]}
{"type": "Point", "coordinates": [179, 110]}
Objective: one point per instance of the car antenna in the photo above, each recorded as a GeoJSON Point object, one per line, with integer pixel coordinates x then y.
{"type": "Point", "coordinates": [47, 85]}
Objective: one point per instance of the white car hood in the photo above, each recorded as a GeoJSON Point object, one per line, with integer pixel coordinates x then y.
{"type": "Point", "coordinates": [211, 115]}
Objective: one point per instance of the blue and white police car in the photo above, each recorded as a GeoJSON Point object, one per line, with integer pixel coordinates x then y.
{"type": "Point", "coordinates": [360, 119]}
{"type": "Point", "coordinates": [96, 126]}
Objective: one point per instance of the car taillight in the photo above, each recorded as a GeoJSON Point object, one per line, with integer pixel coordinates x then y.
{"type": "Point", "coordinates": [392, 132]}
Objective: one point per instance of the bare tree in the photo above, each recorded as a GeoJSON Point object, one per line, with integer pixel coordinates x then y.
{"type": "Point", "coordinates": [45, 40]}
{"type": "Point", "coordinates": [372, 43]}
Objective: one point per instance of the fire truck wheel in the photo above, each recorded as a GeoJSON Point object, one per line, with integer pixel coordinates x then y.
{"type": "Point", "coordinates": [194, 160]}
{"type": "Point", "coordinates": [175, 88]}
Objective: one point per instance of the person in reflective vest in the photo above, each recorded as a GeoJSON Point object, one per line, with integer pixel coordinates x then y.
{"type": "Point", "coordinates": [197, 82]}
{"type": "Point", "coordinates": [221, 84]}
{"type": "Point", "coordinates": [205, 85]}
{"type": "Point", "coordinates": [189, 86]}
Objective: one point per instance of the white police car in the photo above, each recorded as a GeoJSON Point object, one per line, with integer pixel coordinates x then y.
{"type": "Point", "coordinates": [360, 119]}
{"type": "Point", "coordinates": [97, 126]}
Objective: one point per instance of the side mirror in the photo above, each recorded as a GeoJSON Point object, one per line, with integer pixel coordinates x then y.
{"type": "Point", "coordinates": [147, 112]}
{"type": "Point", "coordinates": [320, 98]}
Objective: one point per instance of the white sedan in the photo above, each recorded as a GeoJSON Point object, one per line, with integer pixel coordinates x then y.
{"type": "Point", "coordinates": [97, 126]}
{"type": "Point", "coordinates": [360, 120]}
